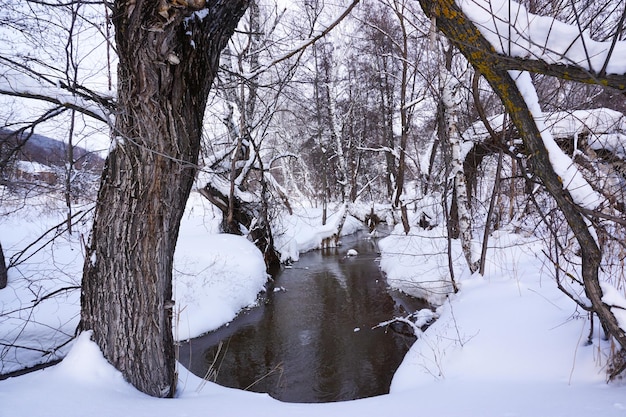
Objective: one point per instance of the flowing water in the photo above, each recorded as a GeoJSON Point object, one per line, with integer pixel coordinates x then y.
{"type": "Point", "coordinates": [311, 340]}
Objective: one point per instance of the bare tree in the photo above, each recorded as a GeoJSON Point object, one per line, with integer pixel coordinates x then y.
{"type": "Point", "coordinates": [252, 93]}
{"type": "Point", "coordinates": [451, 100]}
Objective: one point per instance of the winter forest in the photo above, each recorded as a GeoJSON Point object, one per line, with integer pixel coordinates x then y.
{"type": "Point", "coordinates": [467, 128]}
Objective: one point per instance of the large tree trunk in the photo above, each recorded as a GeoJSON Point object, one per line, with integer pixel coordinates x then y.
{"type": "Point", "coordinates": [167, 61]}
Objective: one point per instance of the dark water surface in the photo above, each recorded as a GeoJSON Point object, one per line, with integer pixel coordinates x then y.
{"type": "Point", "coordinates": [312, 342]}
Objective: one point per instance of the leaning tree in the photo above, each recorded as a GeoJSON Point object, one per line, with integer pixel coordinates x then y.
{"type": "Point", "coordinates": [491, 48]}
{"type": "Point", "coordinates": [168, 56]}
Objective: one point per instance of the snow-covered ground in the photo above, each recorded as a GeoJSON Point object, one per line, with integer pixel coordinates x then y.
{"type": "Point", "coordinates": [508, 344]}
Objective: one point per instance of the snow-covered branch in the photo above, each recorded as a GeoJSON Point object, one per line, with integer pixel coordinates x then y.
{"type": "Point", "coordinates": [519, 98]}
{"type": "Point", "coordinates": [539, 40]}
{"type": "Point", "coordinates": [416, 320]}
{"type": "Point", "coordinates": [64, 100]}
{"type": "Point", "coordinates": [43, 89]}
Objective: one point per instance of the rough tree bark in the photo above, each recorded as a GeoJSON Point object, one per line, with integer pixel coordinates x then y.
{"type": "Point", "coordinates": [168, 57]}
{"type": "Point", "coordinates": [495, 68]}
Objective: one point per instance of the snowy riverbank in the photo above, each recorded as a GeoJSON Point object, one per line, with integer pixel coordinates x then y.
{"type": "Point", "coordinates": [509, 343]}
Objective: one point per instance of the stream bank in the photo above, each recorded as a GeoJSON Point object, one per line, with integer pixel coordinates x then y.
{"type": "Point", "coordinates": [312, 339]}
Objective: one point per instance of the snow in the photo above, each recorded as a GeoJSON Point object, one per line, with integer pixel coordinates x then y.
{"type": "Point", "coordinates": [410, 265]}
{"type": "Point", "coordinates": [32, 167]}
{"type": "Point", "coordinates": [508, 343]}
{"type": "Point", "coordinates": [512, 30]}
{"type": "Point", "coordinates": [37, 272]}
{"type": "Point", "coordinates": [617, 302]}
{"type": "Point", "coordinates": [221, 276]}
{"type": "Point", "coordinates": [216, 275]}
{"type": "Point", "coordinates": [14, 84]}
{"type": "Point", "coordinates": [303, 231]}
{"type": "Point", "coordinates": [606, 130]}
{"type": "Point", "coordinates": [573, 181]}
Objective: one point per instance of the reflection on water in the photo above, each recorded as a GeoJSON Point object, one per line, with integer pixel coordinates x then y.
{"type": "Point", "coordinates": [314, 341]}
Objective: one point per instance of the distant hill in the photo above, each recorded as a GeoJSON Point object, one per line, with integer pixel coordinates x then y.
{"type": "Point", "coordinates": [39, 159]}
{"type": "Point", "coordinates": [47, 151]}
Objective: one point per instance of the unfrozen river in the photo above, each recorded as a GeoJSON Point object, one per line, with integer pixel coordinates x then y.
{"type": "Point", "coordinates": [312, 340]}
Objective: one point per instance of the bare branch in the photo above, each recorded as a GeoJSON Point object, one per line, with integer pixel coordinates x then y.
{"type": "Point", "coordinates": [311, 41]}
{"type": "Point", "coordinates": [17, 258]}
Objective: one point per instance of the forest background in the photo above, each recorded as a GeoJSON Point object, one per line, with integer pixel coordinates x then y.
{"type": "Point", "coordinates": [419, 116]}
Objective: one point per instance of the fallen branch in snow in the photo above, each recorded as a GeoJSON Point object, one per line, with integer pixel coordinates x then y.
{"type": "Point", "coordinates": [246, 214]}
{"type": "Point", "coordinates": [16, 259]}
{"type": "Point", "coordinates": [36, 367]}
{"type": "Point", "coordinates": [417, 321]}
